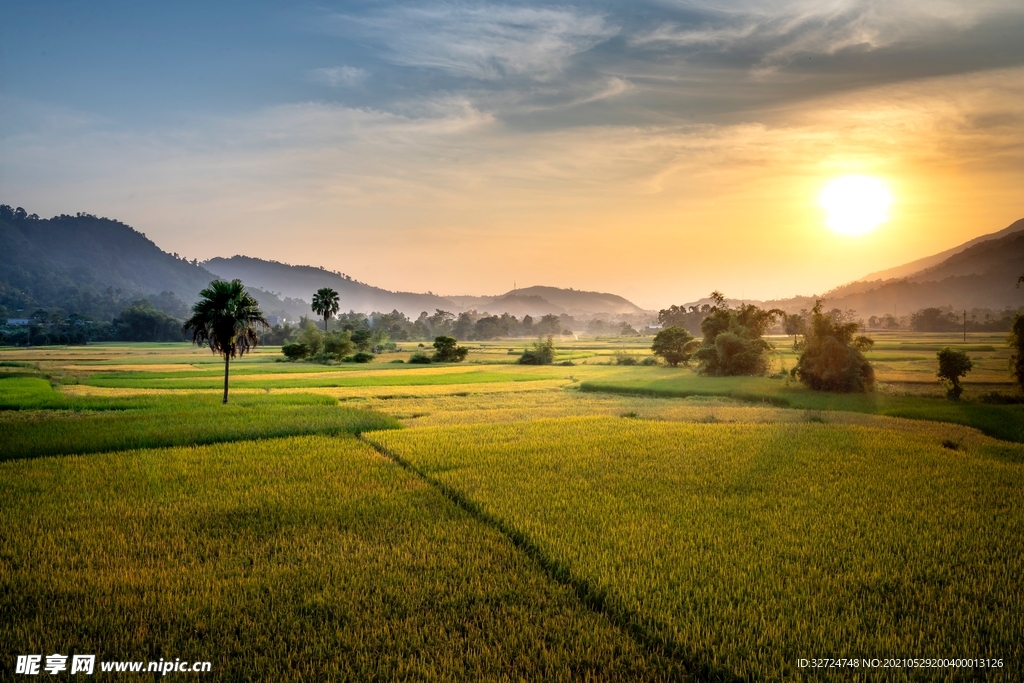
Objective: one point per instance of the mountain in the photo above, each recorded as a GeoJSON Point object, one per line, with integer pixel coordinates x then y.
{"type": "Point", "coordinates": [981, 273]}
{"type": "Point", "coordinates": [87, 265]}
{"type": "Point", "coordinates": [301, 282]}
{"type": "Point", "coordinates": [919, 265]}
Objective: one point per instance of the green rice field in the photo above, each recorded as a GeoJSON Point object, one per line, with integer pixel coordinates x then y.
{"type": "Point", "coordinates": [488, 521]}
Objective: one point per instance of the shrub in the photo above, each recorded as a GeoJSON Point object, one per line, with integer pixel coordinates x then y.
{"type": "Point", "coordinates": [542, 353]}
{"type": "Point", "coordinates": [338, 344]}
{"type": "Point", "coordinates": [295, 351]}
{"type": "Point", "coordinates": [622, 357]}
{"type": "Point", "coordinates": [650, 360]}
{"type": "Point", "coordinates": [1016, 342]}
{"type": "Point", "coordinates": [360, 357]}
{"type": "Point", "coordinates": [953, 364]}
{"type": "Point", "coordinates": [832, 359]}
{"type": "Point", "coordinates": [448, 351]}
{"type": "Point", "coordinates": [420, 358]}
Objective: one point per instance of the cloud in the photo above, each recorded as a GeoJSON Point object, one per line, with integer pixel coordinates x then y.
{"type": "Point", "coordinates": [336, 76]}
{"type": "Point", "coordinates": [487, 42]}
{"type": "Point", "coordinates": [771, 35]}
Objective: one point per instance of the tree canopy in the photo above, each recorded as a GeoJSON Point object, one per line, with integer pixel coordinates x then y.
{"type": "Point", "coordinates": [953, 364]}
{"type": "Point", "coordinates": [733, 343]}
{"type": "Point", "coordinates": [833, 358]}
{"type": "Point", "coordinates": [675, 345]}
{"type": "Point", "coordinates": [325, 304]}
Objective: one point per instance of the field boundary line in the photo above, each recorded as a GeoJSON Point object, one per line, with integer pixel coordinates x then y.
{"type": "Point", "coordinates": [591, 597]}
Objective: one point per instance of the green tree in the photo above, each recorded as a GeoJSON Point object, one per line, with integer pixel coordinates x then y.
{"type": "Point", "coordinates": [833, 358]}
{"type": "Point", "coordinates": [225, 319]}
{"type": "Point", "coordinates": [733, 343]}
{"type": "Point", "coordinates": [1016, 342]}
{"type": "Point", "coordinates": [448, 350]}
{"type": "Point", "coordinates": [542, 353]}
{"type": "Point", "coordinates": [325, 303]}
{"type": "Point", "coordinates": [953, 364]}
{"type": "Point", "coordinates": [675, 344]}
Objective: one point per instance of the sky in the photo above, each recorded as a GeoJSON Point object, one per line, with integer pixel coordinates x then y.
{"type": "Point", "coordinates": [656, 150]}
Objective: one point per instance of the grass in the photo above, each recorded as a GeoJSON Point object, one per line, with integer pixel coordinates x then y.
{"type": "Point", "coordinates": [1003, 422]}
{"type": "Point", "coordinates": [740, 548]}
{"type": "Point", "coordinates": [201, 420]}
{"type": "Point", "coordinates": [307, 558]}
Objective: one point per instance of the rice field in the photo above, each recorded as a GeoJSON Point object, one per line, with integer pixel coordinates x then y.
{"type": "Point", "coordinates": [741, 548]}
{"type": "Point", "coordinates": [309, 558]}
{"type": "Point", "coordinates": [583, 522]}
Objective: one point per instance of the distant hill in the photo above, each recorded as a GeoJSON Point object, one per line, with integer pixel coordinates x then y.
{"type": "Point", "coordinates": [301, 282]}
{"type": "Point", "coordinates": [981, 273]}
{"type": "Point", "coordinates": [87, 265]}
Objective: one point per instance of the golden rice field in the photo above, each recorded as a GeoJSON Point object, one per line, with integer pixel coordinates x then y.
{"type": "Point", "coordinates": [489, 521]}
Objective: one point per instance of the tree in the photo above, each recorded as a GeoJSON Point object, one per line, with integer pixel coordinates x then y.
{"type": "Point", "coordinates": [325, 303]}
{"type": "Point", "coordinates": [953, 364]}
{"type": "Point", "coordinates": [542, 353]}
{"type": "Point", "coordinates": [225, 319]}
{"type": "Point", "coordinates": [675, 345]}
{"type": "Point", "coordinates": [1016, 342]}
{"type": "Point", "coordinates": [833, 359]}
{"type": "Point", "coordinates": [448, 350]}
{"type": "Point", "coordinates": [732, 343]}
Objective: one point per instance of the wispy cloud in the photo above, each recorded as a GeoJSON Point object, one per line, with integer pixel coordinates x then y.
{"type": "Point", "coordinates": [485, 41]}
{"type": "Point", "coordinates": [336, 76]}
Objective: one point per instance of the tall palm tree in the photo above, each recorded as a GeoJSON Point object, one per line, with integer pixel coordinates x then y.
{"type": "Point", "coordinates": [325, 303]}
{"type": "Point", "coordinates": [226, 318]}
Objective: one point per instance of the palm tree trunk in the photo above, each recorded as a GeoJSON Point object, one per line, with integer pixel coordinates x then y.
{"type": "Point", "coordinates": [227, 362]}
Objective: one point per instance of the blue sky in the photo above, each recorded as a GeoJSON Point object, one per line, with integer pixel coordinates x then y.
{"type": "Point", "coordinates": [457, 146]}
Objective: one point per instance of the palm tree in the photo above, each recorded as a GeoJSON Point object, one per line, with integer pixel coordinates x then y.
{"type": "Point", "coordinates": [325, 303]}
{"type": "Point", "coordinates": [225, 318]}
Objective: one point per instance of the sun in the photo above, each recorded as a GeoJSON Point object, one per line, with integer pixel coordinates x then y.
{"type": "Point", "coordinates": [855, 204]}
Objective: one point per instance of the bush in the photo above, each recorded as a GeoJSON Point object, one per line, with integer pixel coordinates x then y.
{"type": "Point", "coordinates": [623, 358]}
{"type": "Point", "coordinates": [448, 351]}
{"type": "Point", "coordinates": [420, 358]}
{"type": "Point", "coordinates": [953, 364]}
{"type": "Point", "coordinates": [295, 351]}
{"type": "Point", "coordinates": [360, 357]}
{"type": "Point", "coordinates": [650, 360]}
{"type": "Point", "coordinates": [338, 344]}
{"type": "Point", "coordinates": [1016, 342]}
{"type": "Point", "coordinates": [542, 353]}
{"type": "Point", "coordinates": [832, 359]}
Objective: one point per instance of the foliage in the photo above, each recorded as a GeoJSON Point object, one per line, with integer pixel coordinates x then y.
{"type": "Point", "coordinates": [732, 343]}
{"type": "Point", "coordinates": [832, 358]}
{"type": "Point", "coordinates": [312, 337]}
{"type": "Point", "coordinates": [225, 319]}
{"type": "Point", "coordinates": [325, 304]}
{"type": "Point", "coordinates": [295, 350]}
{"type": "Point", "coordinates": [953, 364]}
{"type": "Point", "coordinates": [689, 319]}
{"type": "Point", "coordinates": [934, 320]}
{"type": "Point", "coordinates": [687, 531]}
{"type": "Point", "coordinates": [1016, 343]}
{"type": "Point", "coordinates": [360, 357]}
{"type": "Point", "coordinates": [338, 344]}
{"type": "Point", "coordinates": [362, 339]}
{"type": "Point", "coordinates": [448, 351]}
{"type": "Point", "coordinates": [542, 353]}
{"type": "Point", "coordinates": [420, 358]}
{"type": "Point", "coordinates": [142, 322]}
{"type": "Point", "coordinates": [623, 357]}
{"type": "Point", "coordinates": [675, 344]}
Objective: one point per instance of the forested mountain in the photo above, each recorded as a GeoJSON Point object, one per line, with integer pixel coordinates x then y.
{"type": "Point", "coordinates": [88, 265]}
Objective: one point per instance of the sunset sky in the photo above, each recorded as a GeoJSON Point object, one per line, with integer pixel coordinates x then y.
{"type": "Point", "coordinates": [657, 150]}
